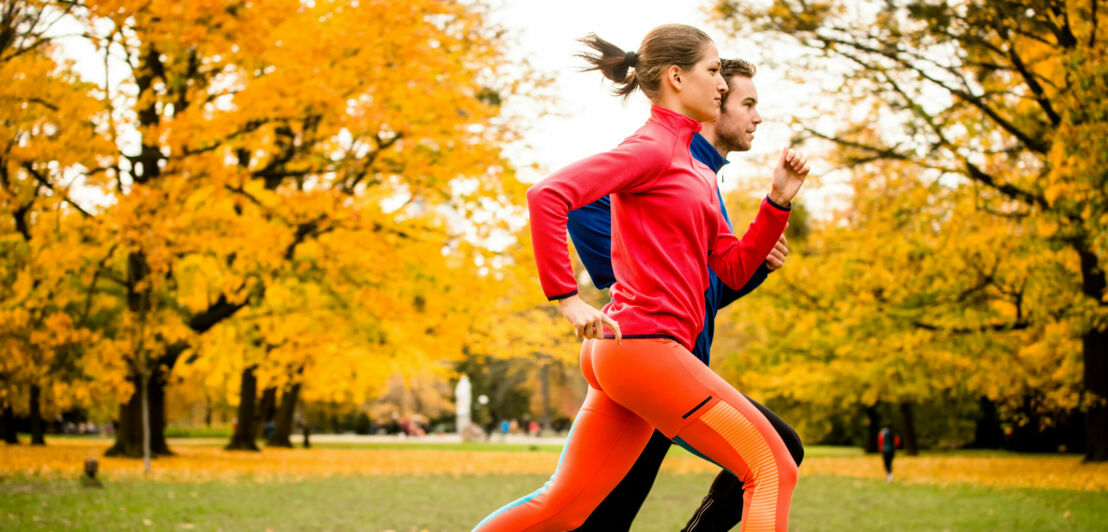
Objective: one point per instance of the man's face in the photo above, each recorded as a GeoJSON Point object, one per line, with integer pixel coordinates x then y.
{"type": "Point", "coordinates": [739, 116]}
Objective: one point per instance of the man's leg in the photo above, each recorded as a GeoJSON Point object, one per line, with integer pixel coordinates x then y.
{"type": "Point", "coordinates": [620, 507]}
{"type": "Point", "coordinates": [722, 507]}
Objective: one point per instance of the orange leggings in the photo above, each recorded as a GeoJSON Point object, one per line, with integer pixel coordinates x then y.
{"type": "Point", "coordinates": [634, 387]}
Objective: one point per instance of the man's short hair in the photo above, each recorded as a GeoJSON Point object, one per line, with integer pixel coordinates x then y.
{"type": "Point", "coordinates": [734, 67]}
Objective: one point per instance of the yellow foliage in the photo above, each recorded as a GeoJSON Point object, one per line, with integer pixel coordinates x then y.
{"type": "Point", "coordinates": [282, 181]}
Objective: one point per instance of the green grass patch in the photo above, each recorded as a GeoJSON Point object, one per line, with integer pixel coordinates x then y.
{"type": "Point", "coordinates": [198, 432]}
{"type": "Point", "coordinates": [443, 503]}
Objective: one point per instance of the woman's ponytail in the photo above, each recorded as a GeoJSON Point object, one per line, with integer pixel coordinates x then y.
{"type": "Point", "coordinates": [671, 44]}
{"type": "Point", "coordinates": [613, 62]}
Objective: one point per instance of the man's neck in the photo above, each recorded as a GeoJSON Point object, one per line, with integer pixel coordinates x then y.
{"type": "Point", "coordinates": [708, 131]}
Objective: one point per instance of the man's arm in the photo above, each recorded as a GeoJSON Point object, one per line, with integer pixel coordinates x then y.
{"type": "Point", "coordinates": [590, 229]}
{"type": "Point", "coordinates": [729, 295]}
{"type": "Point", "coordinates": [775, 260]}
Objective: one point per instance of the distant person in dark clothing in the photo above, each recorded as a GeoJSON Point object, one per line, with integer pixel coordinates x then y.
{"type": "Point", "coordinates": [888, 441]}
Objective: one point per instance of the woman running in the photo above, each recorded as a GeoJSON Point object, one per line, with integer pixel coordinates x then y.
{"type": "Point", "coordinates": [667, 230]}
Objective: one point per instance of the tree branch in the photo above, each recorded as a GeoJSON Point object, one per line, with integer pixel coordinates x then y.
{"type": "Point", "coordinates": [1038, 146]}
{"type": "Point", "coordinates": [1013, 192]}
{"type": "Point", "coordinates": [369, 159]}
{"type": "Point", "coordinates": [996, 327]}
{"type": "Point", "coordinates": [1092, 22]}
{"type": "Point", "coordinates": [215, 313]}
{"type": "Point", "coordinates": [65, 197]}
{"type": "Point", "coordinates": [92, 285]}
{"type": "Point", "coordinates": [1032, 83]}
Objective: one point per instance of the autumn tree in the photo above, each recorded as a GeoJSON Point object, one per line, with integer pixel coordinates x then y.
{"type": "Point", "coordinates": [1004, 101]}
{"type": "Point", "coordinates": [252, 144]}
{"type": "Point", "coordinates": [909, 299]}
{"type": "Point", "coordinates": [44, 310]}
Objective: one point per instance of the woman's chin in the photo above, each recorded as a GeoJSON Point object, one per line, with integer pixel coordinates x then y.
{"type": "Point", "coordinates": [707, 115]}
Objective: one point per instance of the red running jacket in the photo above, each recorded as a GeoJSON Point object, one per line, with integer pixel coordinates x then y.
{"type": "Point", "coordinates": [666, 229]}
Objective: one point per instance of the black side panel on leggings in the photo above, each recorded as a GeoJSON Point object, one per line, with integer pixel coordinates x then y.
{"type": "Point", "coordinates": [619, 508]}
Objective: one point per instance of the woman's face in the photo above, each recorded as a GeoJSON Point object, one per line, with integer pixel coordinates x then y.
{"type": "Point", "coordinates": [703, 86]}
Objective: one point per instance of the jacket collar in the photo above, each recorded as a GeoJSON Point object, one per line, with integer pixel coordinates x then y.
{"type": "Point", "coordinates": [679, 124]}
{"type": "Point", "coordinates": [704, 152]}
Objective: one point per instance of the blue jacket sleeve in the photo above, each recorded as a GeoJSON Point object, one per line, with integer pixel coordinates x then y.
{"type": "Point", "coordinates": [728, 296]}
{"type": "Point", "coordinates": [590, 229]}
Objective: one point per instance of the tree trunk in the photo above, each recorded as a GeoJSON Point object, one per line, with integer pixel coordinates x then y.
{"type": "Point", "coordinates": [911, 444]}
{"type": "Point", "coordinates": [37, 430]}
{"type": "Point", "coordinates": [544, 379]}
{"type": "Point", "coordinates": [128, 440]}
{"type": "Point", "coordinates": [10, 435]}
{"type": "Point", "coordinates": [243, 438]}
{"type": "Point", "coordinates": [1094, 345]}
{"type": "Point", "coordinates": [285, 413]}
{"type": "Point", "coordinates": [267, 408]}
{"type": "Point", "coordinates": [873, 428]}
{"type": "Point", "coordinates": [987, 434]}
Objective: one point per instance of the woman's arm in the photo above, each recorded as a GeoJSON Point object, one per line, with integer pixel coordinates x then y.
{"type": "Point", "coordinates": [735, 260]}
{"type": "Point", "coordinates": [631, 165]}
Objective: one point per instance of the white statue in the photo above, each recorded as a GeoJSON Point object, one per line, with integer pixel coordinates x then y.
{"type": "Point", "coordinates": [463, 398]}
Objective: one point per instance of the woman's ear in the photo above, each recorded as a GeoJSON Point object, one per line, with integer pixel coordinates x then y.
{"type": "Point", "coordinates": [673, 77]}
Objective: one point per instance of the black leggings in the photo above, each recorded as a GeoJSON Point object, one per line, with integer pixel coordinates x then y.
{"type": "Point", "coordinates": [720, 510]}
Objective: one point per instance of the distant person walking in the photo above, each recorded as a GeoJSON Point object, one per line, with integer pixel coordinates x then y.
{"type": "Point", "coordinates": [888, 441]}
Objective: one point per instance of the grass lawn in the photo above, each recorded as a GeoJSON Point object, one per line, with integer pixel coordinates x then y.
{"type": "Point", "coordinates": [449, 503]}
{"type": "Point", "coordinates": [414, 486]}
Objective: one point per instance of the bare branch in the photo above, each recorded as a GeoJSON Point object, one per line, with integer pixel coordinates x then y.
{"type": "Point", "coordinates": [1032, 83]}
{"type": "Point", "coordinates": [972, 170]}
{"type": "Point", "coordinates": [1033, 144]}
{"type": "Point", "coordinates": [64, 196]}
